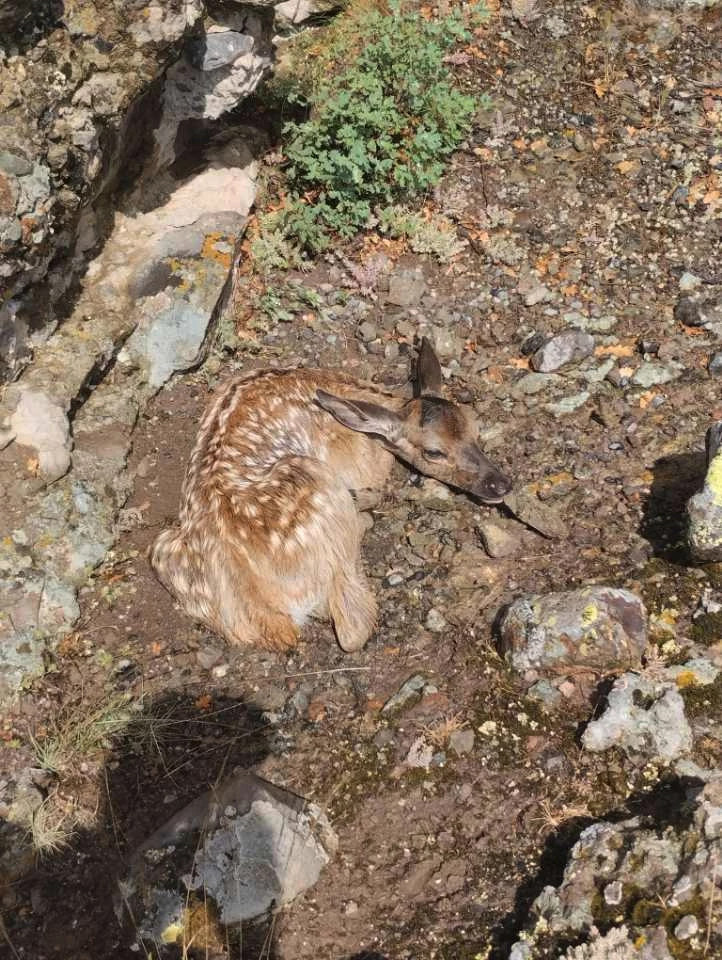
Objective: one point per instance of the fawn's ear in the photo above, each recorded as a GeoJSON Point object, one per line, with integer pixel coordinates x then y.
{"type": "Point", "coordinates": [362, 416]}
{"type": "Point", "coordinates": [427, 372]}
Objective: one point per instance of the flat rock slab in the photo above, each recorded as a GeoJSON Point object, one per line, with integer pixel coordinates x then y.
{"type": "Point", "coordinates": [245, 846]}
{"type": "Point", "coordinates": [595, 629]}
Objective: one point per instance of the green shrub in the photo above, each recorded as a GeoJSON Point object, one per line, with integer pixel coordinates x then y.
{"type": "Point", "coordinates": [384, 118]}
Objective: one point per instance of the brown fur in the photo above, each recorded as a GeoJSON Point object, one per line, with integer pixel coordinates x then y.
{"type": "Point", "coordinates": [268, 533]}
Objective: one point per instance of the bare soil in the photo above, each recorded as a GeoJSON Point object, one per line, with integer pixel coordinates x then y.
{"type": "Point", "coordinates": [438, 862]}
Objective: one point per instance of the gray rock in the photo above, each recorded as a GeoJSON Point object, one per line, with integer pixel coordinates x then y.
{"type": "Point", "coordinates": [500, 538]}
{"type": "Point", "coordinates": [651, 374]}
{"type": "Point", "coordinates": [687, 927]}
{"type": "Point", "coordinates": [462, 741]}
{"type": "Point", "coordinates": [704, 509]}
{"type": "Point", "coordinates": [409, 692]}
{"type": "Point", "coordinates": [687, 311]}
{"type": "Point", "coordinates": [527, 507]}
{"type": "Point", "coordinates": [568, 404]}
{"type": "Point", "coordinates": [645, 718]}
{"type": "Point", "coordinates": [674, 865]}
{"type": "Point", "coordinates": [568, 347]}
{"type": "Point", "coordinates": [406, 287]}
{"type": "Point", "coordinates": [715, 364]}
{"type": "Point", "coordinates": [246, 845]}
{"type": "Point", "coordinates": [435, 621]}
{"type": "Point", "coordinates": [597, 629]}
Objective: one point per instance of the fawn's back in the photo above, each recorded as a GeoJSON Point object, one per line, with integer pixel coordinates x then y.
{"type": "Point", "coordinates": [268, 532]}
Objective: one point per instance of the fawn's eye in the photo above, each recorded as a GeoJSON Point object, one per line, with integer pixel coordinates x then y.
{"type": "Point", "coordinates": [434, 454]}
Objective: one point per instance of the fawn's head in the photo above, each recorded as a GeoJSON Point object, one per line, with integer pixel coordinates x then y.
{"type": "Point", "coordinates": [435, 436]}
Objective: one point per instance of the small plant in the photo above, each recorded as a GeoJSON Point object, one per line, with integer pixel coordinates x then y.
{"type": "Point", "coordinates": [51, 828]}
{"type": "Point", "coordinates": [384, 118]}
{"type": "Point", "coordinates": [83, 733]}
{"type": "Point", "coordinates": [434, 235]}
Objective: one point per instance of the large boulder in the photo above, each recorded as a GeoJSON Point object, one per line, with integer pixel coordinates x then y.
{"type": "Point", "coordinates": [106, 84]}
{"type": "Point", "coordinates": [655, 884]}
{"type": "Point", "coordinates": [232, 854]}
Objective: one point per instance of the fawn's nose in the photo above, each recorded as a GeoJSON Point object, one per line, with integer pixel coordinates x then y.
{"type": "Point", "coordinates": [494, 487]}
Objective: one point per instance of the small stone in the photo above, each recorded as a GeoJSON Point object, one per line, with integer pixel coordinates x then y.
{"type": "Point", "coordinates": [462, 741]}
{"type": "Point", "coordinates": [500, 538]}
{"type": "Point", "coordinates": [613, 893]}
{"type": "Point", "coordinates": [568, 347]}
{"type": "Point", "coordinates": [406, 287]}
{"type": "Point", "coordinates": [651, 374]}
{"type": "Point", "coordinates": [408, 692]}
{"type": "Point", "coordinates": [687, 311]}
{"type": "Point", "coordinates": [688, 281]}
{"type": "Point", "coordinates": [704, 509]}
{"type": "Point", "coordinates": [715, 364]}
{"type": "Point", "coordinates": [368, 331]}
{"type": "Point", "coordinates": [435, 621]}
{"type": "Point", "coordinates": [542, 517]}
{"type": "Point", "coordinates": [208, 656]}
{"type": "Point", "coordinates": [350, 908]}
{"type": "Point", "coordinates": [687, 927]}
{"type": "Point", "coordinates": [568, 404]}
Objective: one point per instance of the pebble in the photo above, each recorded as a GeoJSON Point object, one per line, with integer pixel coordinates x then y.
{"type": "Point", "coordinates": [435, 621]}
{"type": "Point", "coordinates": [368, 331]}
{"type": "Point", "coordinates": [687, 927]}
{"type": "Point", "coordinates": [462, 741]}
{"type": "Point", "coordinates": [500, 538]}
{"type": "Point", "coordinates": [568, 347]}
{"type": "Point", "coordinates": [651, 374]}
{"type": "Point", "coordinates": [715, 364]}
{"type": "Point", "coordinates": [687, 311]}
{"type": "Point", "coordinates": [406, 287]}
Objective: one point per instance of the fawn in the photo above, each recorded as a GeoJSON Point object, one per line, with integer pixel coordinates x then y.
{"type": "Point", "coordinates": [269, 533]}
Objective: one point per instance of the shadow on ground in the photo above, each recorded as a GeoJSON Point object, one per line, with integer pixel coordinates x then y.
{"type": "Point", "coordinates": [676, 479]}
{"type": "Point", "coordinates": [178, 748]}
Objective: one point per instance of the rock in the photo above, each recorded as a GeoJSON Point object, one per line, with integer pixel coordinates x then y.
{"type": "Point", "coordinates": [368, 331]}
{"type": "Point", "coordinates": [643, 717]}
{"type": "Point", "coordinates": [697, 672]}
{"type": "Point", "coordinates": [409, 692]}
{"type": "Point", "coordinates": [530, 288]}
{"type": "Point", "coordinates": [687, 311]}
{"type": "Point", "coordinates": [568, 347]}
{"type": "Point", "coordinates": [527, 507]}
{"type": "Point", "coordinates": [568, 404]}
{"type": "Point", "coordinates": [500, 538]}
{"type": "Point", "coordinates": [597, 629]}
{"type": "Point", "coordinates": [34, 606]}
{"type": "Point", "coordinates": [651, 374]}
{"type": "Point", "coordinates": [76, 110]}
{"type": "Point", "coordinates": [673, 862]}
{"type": "Point", "coordinates": [435, 621]}
{"type": "Point", "coordinates": [243, 847]}
{"type": "Point", "coordinates": [715, 364]}
{"type": "Point", "coordinates": [293, 12]}
{"type": "Point", "coordinates": [406, 287]}
{"type": "Point", "coordinates": [687, 927]}
{"type": "Point", "coordinates": [41, 424]}
{"type": "Point", "coordinates": [462, 741]}
{"type": "Point", "coordinates": [704, 509]}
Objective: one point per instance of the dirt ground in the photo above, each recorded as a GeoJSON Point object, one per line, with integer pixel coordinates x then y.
{"type": "Point", "coordinates": [602, 114]}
